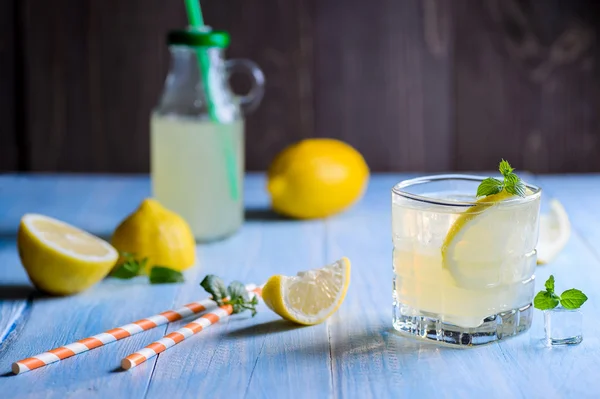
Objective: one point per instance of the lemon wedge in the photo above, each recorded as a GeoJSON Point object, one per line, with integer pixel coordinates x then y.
{"type": "Point", "coordinates": [555, 230]}
{"type": "Point", "coordinates": [311, 296]}
{"type": "Point", "coordinates": [482, 243]}
{"type": "Point", "coordinates": [61, 259]}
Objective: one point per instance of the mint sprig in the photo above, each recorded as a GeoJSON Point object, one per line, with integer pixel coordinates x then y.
{"type": "Point", "coordinates": [133, 267]}
{"type": "Point", "coordinates": [548, 299]}
{"type": "Point", "coordinates": [511, 183]}
{"type": "Point", "coordinates": [235, 294]}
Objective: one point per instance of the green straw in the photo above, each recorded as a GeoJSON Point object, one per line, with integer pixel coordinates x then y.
{"type": "Point", "coordinates": [196, 21]}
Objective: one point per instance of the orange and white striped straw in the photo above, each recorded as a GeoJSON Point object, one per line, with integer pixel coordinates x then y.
{"type": "Point", "coordinates": [116, 334]}
{"type": "Point", "coordinates": [172, 339]}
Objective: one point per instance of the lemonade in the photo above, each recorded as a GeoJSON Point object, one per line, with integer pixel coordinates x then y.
{"type": "Point", "coordinates": [463, 267]}
{"type": "Point", "coordinates": [194, 163]}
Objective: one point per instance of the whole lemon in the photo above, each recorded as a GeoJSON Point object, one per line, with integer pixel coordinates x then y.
{"type": "Point", "coordinates": [316, 178]}
{"type": "Point", "coordinates": [158, 234]}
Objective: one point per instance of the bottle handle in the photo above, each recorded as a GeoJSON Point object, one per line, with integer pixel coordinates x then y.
{"type": "Point", "coordinates": [249, 101]}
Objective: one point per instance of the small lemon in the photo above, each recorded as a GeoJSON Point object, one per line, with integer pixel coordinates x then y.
{"type": "Point", "coordinates": [158, 234]}
{"type": "Point", "coordinates": [316, 178]}
{"type": "Point", "coordinates": [61, 259]}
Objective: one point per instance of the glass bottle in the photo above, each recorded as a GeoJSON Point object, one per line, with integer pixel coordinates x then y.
{"type": "Point", "coordinates": [197, 134]}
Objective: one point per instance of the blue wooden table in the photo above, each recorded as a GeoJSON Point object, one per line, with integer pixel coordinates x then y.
{"type": "Point", "coordinates": [354, 354]}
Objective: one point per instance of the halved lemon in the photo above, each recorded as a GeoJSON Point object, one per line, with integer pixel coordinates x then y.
{"type": "Point", "coordinates": [311, 296]}
{"type": "Point", "coordinates": [61, 259]}
{"type": "Point", "coordinates": [161, 236]}
{"type": "Point", "coordinates": [555, 230]}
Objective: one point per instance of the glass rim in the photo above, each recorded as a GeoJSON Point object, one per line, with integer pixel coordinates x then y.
{"type": "Point", "coordinates": [398, 190]}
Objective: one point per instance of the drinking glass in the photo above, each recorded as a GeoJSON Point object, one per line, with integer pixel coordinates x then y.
{"type": "Point", "coordinates": [463, 267]}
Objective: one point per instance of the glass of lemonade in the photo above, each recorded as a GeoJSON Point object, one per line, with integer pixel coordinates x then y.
{"type": "Point", "coordinates": [463, 267]}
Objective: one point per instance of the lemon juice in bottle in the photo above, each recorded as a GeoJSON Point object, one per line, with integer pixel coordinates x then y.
{"type": "Point", "coordinates": [190, 175]}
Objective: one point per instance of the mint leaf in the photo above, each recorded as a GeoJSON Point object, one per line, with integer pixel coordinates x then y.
{"type": "Point", "coordinates": [126, 271]}
{"type": "Point", "coordinates": [165, 275]}
{"type": "Point", "coordinates": [511, 179]}
{"type": "Point", "coordinates": [550, 284]}
{"type": "Point", "coordinates": [130, 268]}
{"type": "Point", "coordinates": [545, 300]}
{"type": "Point", "coordinates": [237, 290]}
{"type": "Point", "coordinates": [572, 299]}
{"type": "Point", "coordinates": [489, 186]}
{"type": "Point", "coordinates": [517, 188]}
{"type": "Point", "coordinates": [511, 183]}
{"type": "Point", "coordinates": [215, 287]}
{"type": "Point", "coordinates": [505, 168]}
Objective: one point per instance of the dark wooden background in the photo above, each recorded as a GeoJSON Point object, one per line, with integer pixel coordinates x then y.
{"type": "Point", "coordinates": [415, 85]}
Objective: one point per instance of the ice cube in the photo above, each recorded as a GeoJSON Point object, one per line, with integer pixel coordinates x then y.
{"type": "Point", "coordinates": [563, 326]}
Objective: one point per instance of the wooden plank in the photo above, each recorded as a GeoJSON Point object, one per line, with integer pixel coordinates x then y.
{"type": "Point", "coordinates": [354, 354]}
{"type": "Point", "coordinates": [525, 82]}
{"type": "Point", "coordinates": [15, 289]}
{"type": "Point", "coordinates": [93, 81]}
{"type": "Point", "coordinates": [286, 57]}
{"type": "Point", "coordinates": [8, 88]}
{"type": "Point", "coordinates": [95, 204]}
{"type": "Point", "coordinates": [383, 81]}
{"type": "Point", "coordinates": [567, 372]}
{"type": "Point", "coordinates": [578, 194]}
{"type": "Point", "coordinates": [559, 372]}
{"type": "Point", "coordinates": [261, 356]}
{"type": "Point", "coordinates": [422, 85]}
{"type": "Point", "coordinates": [369, 358]}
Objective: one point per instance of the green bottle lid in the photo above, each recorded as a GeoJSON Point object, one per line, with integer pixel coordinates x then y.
{"type": "Point", "coordinates": [198, 38]}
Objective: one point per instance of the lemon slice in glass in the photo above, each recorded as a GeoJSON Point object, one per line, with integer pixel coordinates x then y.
{"type": "Point", "coordinates": [311, 296]}
{"type": "Point", "coordinates": [555, 230]}
{"type": "Point", "coordinates": [478, 242]}
{"type": "Point", "coordinates": [61, 259]}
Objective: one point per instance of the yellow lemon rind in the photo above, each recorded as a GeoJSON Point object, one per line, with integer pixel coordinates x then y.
{"type": "Point", "coordinates": [158, 234]}
{"type": "Point", "coordinates": [470, 214]}
{"type": "Point", "coordinates": [274, 297]}
{"type": "Point", "coordinates": [56, 271]}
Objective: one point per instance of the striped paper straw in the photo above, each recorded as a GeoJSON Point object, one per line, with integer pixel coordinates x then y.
{"type": "Point", "coordinates": [172, 339]}
{"type": "Point", "coordinates": [116, 334]}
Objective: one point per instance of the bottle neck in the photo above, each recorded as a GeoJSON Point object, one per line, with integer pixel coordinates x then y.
{"type": "Point", "coordinates": [192, 72]}
{"type": "Point", "coordinates": [186, 65]}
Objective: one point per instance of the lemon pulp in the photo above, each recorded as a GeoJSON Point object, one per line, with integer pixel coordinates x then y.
{"type": "Point", "coordinates": [68, 238]}
{"type": "Point", "coordinates": [61, 259]}
{"type": "Point", "coordinates": [311, 296]}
